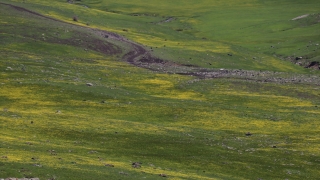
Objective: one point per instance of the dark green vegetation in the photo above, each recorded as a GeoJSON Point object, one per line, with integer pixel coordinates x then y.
{"type": "Point", "coordinates": [54, 126]}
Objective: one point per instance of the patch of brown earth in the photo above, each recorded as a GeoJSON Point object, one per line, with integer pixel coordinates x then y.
{"type": "Point", "coordinates": [313, 65]}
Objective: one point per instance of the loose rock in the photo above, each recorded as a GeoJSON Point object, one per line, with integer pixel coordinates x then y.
{"type": "Point", "coordinates": [136, 165]}
{"type": "Point", "coordinates": [163, 175]}
{"type": "Point", "coordinates": [109, 165]}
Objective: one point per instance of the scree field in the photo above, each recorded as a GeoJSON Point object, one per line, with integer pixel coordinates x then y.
{"type": "Point", "coordinates": [171, 89]}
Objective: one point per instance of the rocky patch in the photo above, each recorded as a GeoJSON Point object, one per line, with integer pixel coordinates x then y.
{"type": "Point", "coordinates": [313, 65]}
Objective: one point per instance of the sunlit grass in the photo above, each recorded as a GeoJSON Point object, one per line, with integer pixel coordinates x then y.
{"type": "Point", "coordinates": [217, 27]}
{"type": "Point", "coordinates": [54, 125]}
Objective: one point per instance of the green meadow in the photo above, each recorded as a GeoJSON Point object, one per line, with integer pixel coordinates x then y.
{"type": "Point", "coordinates": [71, 107]}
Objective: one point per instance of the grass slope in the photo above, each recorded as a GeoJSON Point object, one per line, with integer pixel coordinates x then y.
{"type": "Point", "coordinates": [203, 32]}
{"type": "Point", "coordinates": [54, 126]}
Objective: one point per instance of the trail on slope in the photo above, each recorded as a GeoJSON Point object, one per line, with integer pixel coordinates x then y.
{"type": "Point", "coordinates": [136, 50]}
{"type": "Point", "coordinates": [139, 56]}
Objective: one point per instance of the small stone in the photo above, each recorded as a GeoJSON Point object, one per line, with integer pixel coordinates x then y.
{"type": "Point", "coordinates": [75, 18]}
{"type": "Point", "coordinates": [89, 84]}
{"type": "Point", "coordinates": [109, 165]}
{"type": "Point", "coordinates": [248, 134]}
{"type": "Point", "coordinates": [123, 173]}
{"type": "Point", "coordinates": [38, 165]}
{"type": "Point", "coordinates": [136, 165]}
{"type": "Point", "coordinates": [163, 175]}
{"type": "Point", "coordinates": [92, 152]}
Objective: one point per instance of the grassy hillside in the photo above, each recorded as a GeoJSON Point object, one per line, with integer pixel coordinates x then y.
{"type": "Point", "coordinates": [203, 32]}
{"type": "Point", "coordinates": [54, 125]}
